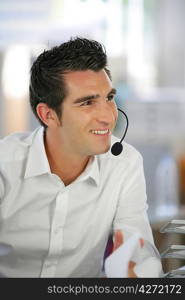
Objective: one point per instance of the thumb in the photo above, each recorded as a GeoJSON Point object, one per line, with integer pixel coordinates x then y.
{"type": "Point", "coordinates": [131, 273]}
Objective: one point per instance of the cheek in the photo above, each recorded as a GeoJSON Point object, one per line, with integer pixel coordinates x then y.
{"type": "Point", "coordinates": [77, 123]}
{"type": "Point", "coordinates": [84, 118]}
{"type": "Point", "coordinates": [115, 112]}
{"type": "Point", "coordinates": [116, 115]}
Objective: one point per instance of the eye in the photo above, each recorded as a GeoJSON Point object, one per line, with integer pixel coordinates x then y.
{"type": "Point", "coordinates": [87, 102]}
{"type": "Point", "coordinates": [110, 97]}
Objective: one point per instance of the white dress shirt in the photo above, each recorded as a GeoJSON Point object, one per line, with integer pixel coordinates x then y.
{"type": "Point", "coordinates": [61, 231]}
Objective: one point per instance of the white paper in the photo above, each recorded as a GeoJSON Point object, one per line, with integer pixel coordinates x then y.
{"type": "Point", "coordinates": [181, 269]}
{"type": "Point", "coordinates": [116, 265]}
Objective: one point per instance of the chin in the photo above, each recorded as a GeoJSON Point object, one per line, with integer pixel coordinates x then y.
{"type": "Point", "coordinates": [103, 150]}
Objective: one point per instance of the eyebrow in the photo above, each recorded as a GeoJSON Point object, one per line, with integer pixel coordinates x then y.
{"type": "Point", "coordinates": [92, 97]}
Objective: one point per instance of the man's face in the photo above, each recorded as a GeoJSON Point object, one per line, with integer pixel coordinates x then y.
{"type": "Point", "coordinates": [89, 113]}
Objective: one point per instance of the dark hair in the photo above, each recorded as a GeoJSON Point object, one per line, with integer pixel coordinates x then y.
{"type": "Point", "coordinates": [47, 83]}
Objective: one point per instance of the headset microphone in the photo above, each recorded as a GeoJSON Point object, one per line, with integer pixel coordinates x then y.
{"type": "Point", "coordinates": [117, 148]}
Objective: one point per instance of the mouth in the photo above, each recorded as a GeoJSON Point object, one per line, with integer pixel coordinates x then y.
{"type": "Point", "coordinates": [101, 132]}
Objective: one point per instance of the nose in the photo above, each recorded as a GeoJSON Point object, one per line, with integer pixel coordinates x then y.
{"type": "Point", "coordinates": [106, 113]}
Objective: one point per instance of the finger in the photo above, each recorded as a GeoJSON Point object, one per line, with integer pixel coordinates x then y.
{"type": "Point", "coordinates": [131, 273]}
{"type": "Point", "coordinates": [141, 242]}
{"type": "Point", "coordinates": [131, 264]}
{"type": "Point", "coordinates": [118, 239]}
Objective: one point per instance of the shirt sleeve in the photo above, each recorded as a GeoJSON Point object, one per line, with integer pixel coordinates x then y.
{"type": "Point", "coordinates": [131, 216]}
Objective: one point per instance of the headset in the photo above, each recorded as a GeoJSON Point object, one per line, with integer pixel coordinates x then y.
{"type": "Point", "coordinates": [117, 147]}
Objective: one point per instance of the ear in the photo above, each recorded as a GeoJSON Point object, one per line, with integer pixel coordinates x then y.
{"type": "Point", "coordinates": [47, 115]}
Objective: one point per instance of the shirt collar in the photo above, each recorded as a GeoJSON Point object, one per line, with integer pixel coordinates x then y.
{"type": "Point", "coordinates": [91, 171]}
{"type": "Point", "coordinates": [37, 163]}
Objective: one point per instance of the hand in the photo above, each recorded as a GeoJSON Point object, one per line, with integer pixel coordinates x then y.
{"type": "Point", "coordinates": [118, 241]}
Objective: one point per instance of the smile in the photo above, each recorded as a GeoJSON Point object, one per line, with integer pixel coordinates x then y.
{"type": "Point", "coordinates": [100, 132]}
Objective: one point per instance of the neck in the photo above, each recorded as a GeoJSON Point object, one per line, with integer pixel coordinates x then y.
{"type": "Point", "coordinates": [62, 162]}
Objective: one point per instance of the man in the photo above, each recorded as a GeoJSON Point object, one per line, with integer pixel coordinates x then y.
{"type": "Point", "coordinates": [62, 191]}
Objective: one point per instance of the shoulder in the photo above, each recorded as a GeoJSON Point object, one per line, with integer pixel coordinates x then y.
{"type": "Point", "coordinates": [120, 168]}
{"type": "Point", "coordinates": [128, 154]}
{"type": "Point", "coordinates": [15, 145]}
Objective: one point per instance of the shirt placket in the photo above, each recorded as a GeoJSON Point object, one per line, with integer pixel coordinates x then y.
{"type": "Point", "coordinates": [56, 235]}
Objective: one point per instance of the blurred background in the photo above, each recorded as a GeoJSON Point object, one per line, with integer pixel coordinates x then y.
{"type": "Point", "coordinates": [145, 43]}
